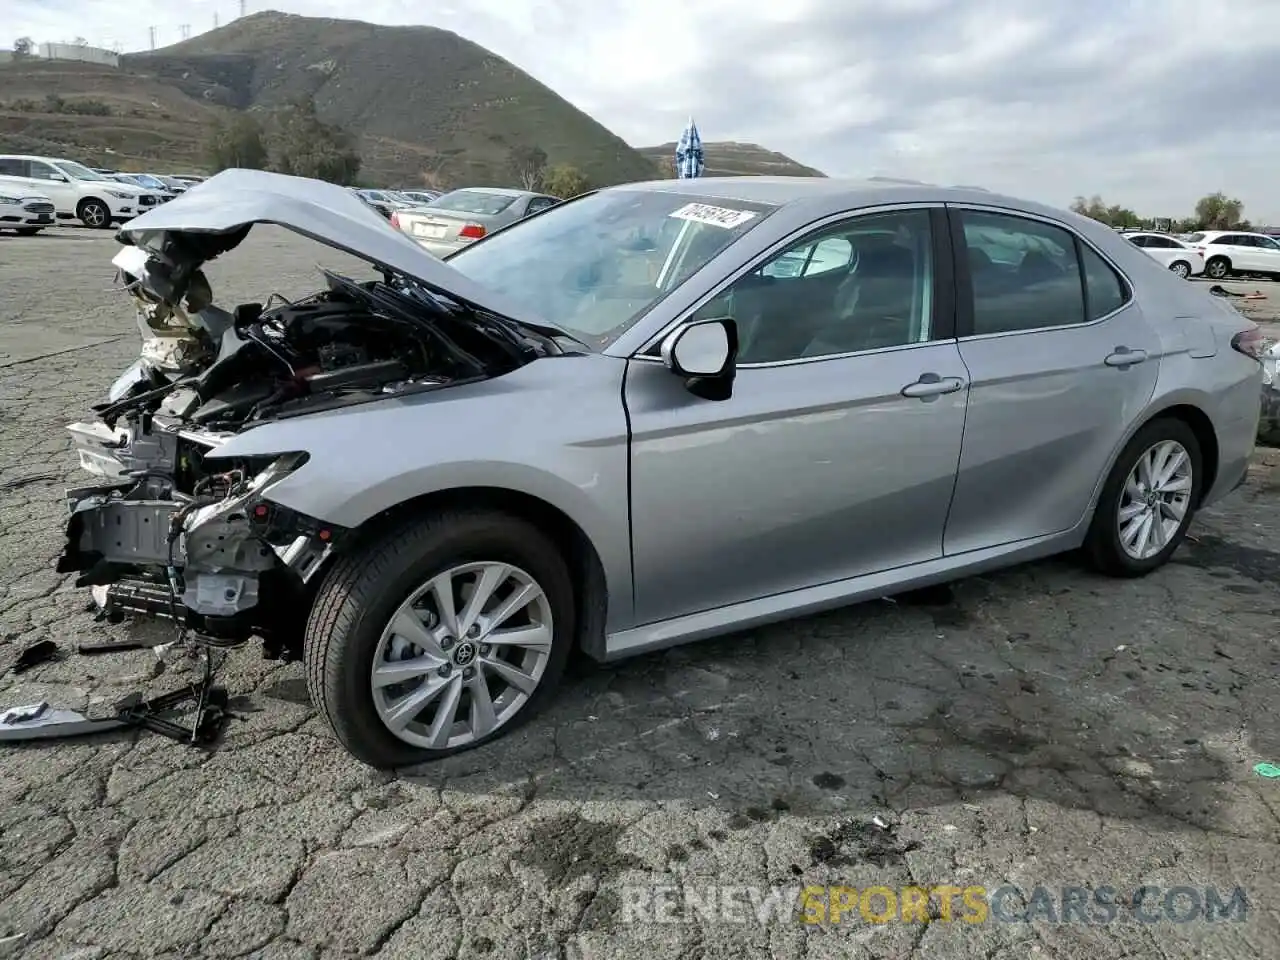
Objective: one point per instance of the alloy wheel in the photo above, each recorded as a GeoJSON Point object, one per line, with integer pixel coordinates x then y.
{"type": "Point", "coordinates": [1217, 270]}
{"type": "Point", "coordinates": [95, 215]}
{"type": "Point", "coordinates": [1182, 270]}
{"type": "Point", "coordinates": [462, 655]}
{"type": "Point", "coordinates": [1155, 499]}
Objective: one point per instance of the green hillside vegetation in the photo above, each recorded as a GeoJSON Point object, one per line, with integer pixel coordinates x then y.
{"type": "Point", "coordinates": [729, 159]}
{"type": "Point", "coordinates": [421, 101]}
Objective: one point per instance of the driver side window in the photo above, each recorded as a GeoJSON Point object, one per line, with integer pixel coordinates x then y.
{"type": "Point", "coordinates": [864, 284]}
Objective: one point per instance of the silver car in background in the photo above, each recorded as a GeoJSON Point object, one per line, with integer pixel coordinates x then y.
{"type": "Point", "coordinates": [654, 413]}
{"type": "Point", "coordinates": [456, 219]}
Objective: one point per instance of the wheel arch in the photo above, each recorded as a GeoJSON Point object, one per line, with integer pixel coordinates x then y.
{"type": "Point", "coordinates": [1189, 412]}
{"type": "Point", "coordinates": [591, 590]}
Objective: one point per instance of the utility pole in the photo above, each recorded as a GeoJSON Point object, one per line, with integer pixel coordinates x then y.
{"type": "Point", "coordinates": [186, 31]}
{"type": "Point", "coordinates": [153, 37]}
{"type": "Point", "coordinates": [215, 20]}
{"type": "Point", "coordinates": [243, 5]}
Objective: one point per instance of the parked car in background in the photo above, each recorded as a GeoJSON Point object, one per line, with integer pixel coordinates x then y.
{"type": "Point", "coordinates": [1237, 251]}
{"type": "Point", "coordinates": [420, 196]}
{"type": "Point", "coordinates": [176, 185]}
{"type": "Point", "coordinates": [24, 211]}
{"type": "Point", "coordinates": [147, 182]}
{"type": "Point", "coordinates": [77, 192]}
{"type": "Point", "coordinates": [385, 201]}
{"type": "Point", "coordinates": [1178, 255]}
{"type": "Point", "coordinates": [453, 220]}
{"type": "Point", "coordinates": [616, 426]}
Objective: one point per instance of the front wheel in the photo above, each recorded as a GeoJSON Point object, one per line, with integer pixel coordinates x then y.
{"type": "Point", "coordinates": [439, 637]}
{"type": "Point", "coordinates": [94, 213]}
{"type": "Point", "coordinates": [1218, 268]}
{"type": "Point", "coordinates": [1181, 268]}
{"type": "Point", "coordinates": [1148, 500]}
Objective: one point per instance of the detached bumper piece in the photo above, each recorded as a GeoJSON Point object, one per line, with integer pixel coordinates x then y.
{"type": "Point", "coordinates": [40, 722]}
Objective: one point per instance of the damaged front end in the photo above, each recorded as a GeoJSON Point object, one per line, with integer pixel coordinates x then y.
{"type": "Point", "coordinates": [206, 560]}
{"type": "Point", "coordinates": [171, 528]}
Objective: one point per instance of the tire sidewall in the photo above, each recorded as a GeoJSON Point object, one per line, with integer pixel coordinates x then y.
{"type": "Point", "coordinates": [474, 539]}
{"type": "Point", "coordinates": [1107, 535]}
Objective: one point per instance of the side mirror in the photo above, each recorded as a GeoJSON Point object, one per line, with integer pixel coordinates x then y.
{"type": "Point", "coordinates": [705, 353]}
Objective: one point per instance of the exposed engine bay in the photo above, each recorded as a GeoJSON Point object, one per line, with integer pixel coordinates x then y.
{"type": "Point", "coordinates": [171, 530]}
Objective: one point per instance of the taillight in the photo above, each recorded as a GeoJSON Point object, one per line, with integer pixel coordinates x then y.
{"type": "Point", "coordinates": [472, 231]}
{"type": "Point", "coordinates": [395, 219]}
{"type": "Point", "coordinates": [1250, 342]}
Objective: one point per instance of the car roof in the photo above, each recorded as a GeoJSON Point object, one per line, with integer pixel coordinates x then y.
{"type": "Point", "coordinates": [835, 192]}
{"type": "Point", "coordinates": [500, 191]}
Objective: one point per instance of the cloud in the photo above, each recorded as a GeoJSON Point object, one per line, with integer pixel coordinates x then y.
{"type": "Point", "coordinates": [1150, 103]}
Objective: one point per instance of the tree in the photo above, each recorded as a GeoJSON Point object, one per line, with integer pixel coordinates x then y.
{"type": "Point", "coordinates": [1217, 211]}
{"type": "Point", "coordinates": [303, 145]}
{"type": "Point", "coordinates": [565, 181]}
{"type": "Point", "coordinates": [236, 142]}
{"type": "Point", "coordinates": [528, 164]}
{"type": "Point", "coordinates": [23, 47]}
{"type": "Point", "coordinates": [1113, 215]}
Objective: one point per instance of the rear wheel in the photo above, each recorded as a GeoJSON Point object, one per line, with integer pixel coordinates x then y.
{"type": "Point", "coordinates": [1181, 268]}
{"type": "Point", "coordinates": [1148, 500]}
{"type": "Point", "coordinates": [94, 213]}
{"type": "Point", "coordinates": [439, 637]}
{"type": "Point", "coordinates": [1218, 268]}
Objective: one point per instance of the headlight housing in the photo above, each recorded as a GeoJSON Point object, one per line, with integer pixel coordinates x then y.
{"type": "Point", "coordinates": [122, 194]}
{"type": "Point", "coordinates": [13, 200]}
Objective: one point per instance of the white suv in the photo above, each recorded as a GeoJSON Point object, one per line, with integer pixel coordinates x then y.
{"type": "Point", "coordinates": [76, 191]}
{"type": "Point", "coordinates": [1236, 251]}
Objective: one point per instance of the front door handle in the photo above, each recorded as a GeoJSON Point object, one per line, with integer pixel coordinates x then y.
{"type": "Point", "coordinates": [1124, 357]}
{"type": "Point", "coordinates": [932, 385]}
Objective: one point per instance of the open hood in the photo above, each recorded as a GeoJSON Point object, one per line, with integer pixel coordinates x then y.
{"type": "Point", "coordinates": [215, 216]}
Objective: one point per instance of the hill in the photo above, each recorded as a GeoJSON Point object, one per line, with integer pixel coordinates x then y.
{"type": "Point", "coordinates": [729, 159]}
{"type": "Point", "coordinates": [420, 98]}
{"type": "Point", "coordinates": [104, 116]}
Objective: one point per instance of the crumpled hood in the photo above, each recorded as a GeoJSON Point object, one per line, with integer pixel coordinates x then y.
{"type": "Point", "coordinates": [215, 216]}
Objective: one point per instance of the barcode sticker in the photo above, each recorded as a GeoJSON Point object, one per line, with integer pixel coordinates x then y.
{"type": "Point", "coordinates": [725, 217]}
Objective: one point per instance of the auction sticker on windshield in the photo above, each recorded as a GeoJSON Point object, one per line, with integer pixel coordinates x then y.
{"type": "Point", "coordinates": [725, 217]}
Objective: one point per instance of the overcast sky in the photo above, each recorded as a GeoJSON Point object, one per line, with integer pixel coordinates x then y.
{"type": "Point", "coordinates": [1150, 103]}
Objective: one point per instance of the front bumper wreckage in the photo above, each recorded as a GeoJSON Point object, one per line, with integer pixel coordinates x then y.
{"type": "Point", "coordinates": [204, 560]}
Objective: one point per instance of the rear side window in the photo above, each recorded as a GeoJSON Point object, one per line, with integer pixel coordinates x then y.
{"type": "Point", "coordinates": [1028, 275]}
{"type": "Point", "coordinates": [1140, 241]}
{"type": "Point", "coordinates": [12, 168]}
{"type": "Point", "coordinates": [1025, 274]}
{"type": "Point", "coordinates": [1104, 290]}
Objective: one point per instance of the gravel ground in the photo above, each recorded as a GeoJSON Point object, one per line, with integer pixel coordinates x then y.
{"type": "Point", "coordinates": [1040, 727]}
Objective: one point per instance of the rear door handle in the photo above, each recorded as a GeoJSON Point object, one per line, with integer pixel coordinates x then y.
{"type": "Point", "coordinates": [932, 385]}
{"type": "Point", "coordinates": [1124, 357]}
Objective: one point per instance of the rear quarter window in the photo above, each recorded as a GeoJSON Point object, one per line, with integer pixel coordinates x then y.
{"type": "Point", "coordinates": [1105, 291]}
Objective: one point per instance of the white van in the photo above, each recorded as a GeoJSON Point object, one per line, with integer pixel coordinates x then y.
{"type": "Point", "coordinates": [77, 192]}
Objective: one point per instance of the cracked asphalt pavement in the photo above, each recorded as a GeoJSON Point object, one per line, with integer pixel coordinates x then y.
{"type": "Point", "coordinates": [1040, 727]}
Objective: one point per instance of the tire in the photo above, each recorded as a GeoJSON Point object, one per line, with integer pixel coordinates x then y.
{"type": "Point", "coordinates": [94, 213]}
{"type": "Point", "coordinates": [1217, 268]}
{"type": "Point", "coordinates": [350, 620]}
{"type": "Point", "coordinates": [1181, 268]}
{"type": "Point", "coordinates": [1103, 545]}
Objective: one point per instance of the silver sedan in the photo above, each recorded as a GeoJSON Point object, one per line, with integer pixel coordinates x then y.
{"type": "Point", "coordinates": [654, 413]}
{"type": "Point", "coordinates": [456, 219]}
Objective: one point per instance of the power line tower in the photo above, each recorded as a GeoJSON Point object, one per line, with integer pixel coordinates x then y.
{"type": "Point", "coordinates": [153, 37]}
{"type": "Point", "coordinates": [186, 31]}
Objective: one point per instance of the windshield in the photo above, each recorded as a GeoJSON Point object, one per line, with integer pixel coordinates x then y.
{"type": "Point", "coordinates": [1195, 238]}
{"type": "Point", "coordinates": [147, 180]}
{"type": "Point", "coordinates": [77, 171]}
{"type": "Point", "coordinates": [478, 202]}
{"type": "Point", "coordinates": [597, 264]}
